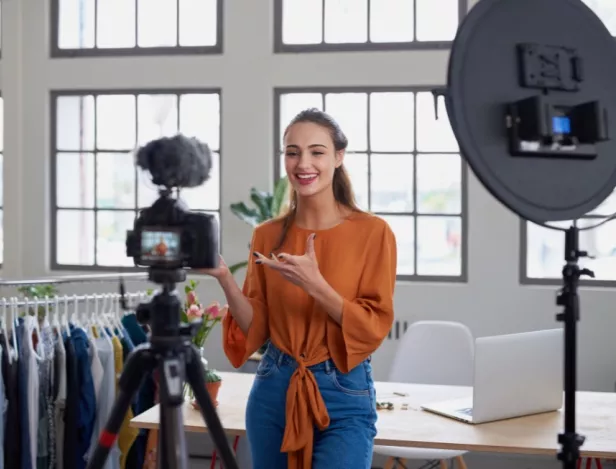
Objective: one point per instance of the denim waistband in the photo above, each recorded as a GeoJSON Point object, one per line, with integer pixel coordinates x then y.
{"type": "Point", "coordinates": [282, 358]}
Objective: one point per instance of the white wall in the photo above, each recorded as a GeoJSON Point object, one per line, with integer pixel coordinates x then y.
{"type": "Point", "coordinates": [492, 302]}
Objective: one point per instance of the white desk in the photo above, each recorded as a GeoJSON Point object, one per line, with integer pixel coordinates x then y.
{"type": "Point", "coordinates": [537, 434]}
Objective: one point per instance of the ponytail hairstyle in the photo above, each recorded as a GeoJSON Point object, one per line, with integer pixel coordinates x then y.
{"type": "Point", "coordinates": [343, 190]}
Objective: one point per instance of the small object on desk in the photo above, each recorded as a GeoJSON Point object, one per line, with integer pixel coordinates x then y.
{"type": "Point", "coordinates": [405, 406]}
{"type": "Point", "coordinates": [384, 406]}
{"type": "Point", "coordinates": [401, 394]}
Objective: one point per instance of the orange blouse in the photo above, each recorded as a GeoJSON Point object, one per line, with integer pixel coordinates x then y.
{"type": "Point", "coordinates": [358, 259]}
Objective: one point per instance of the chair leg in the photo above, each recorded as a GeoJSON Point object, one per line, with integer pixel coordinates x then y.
{"type": "Point", "coordinates": [460, 462]}
{"type": "Point", "coordinates": [389, 464]}
{"type": "Point", "coordinates": [443, 464]}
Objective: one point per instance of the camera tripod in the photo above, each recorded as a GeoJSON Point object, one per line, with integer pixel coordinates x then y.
{"type": "Point", "coordinates": [170, 352]}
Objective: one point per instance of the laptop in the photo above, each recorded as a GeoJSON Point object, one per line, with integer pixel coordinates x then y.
{"type": "Point", "coordinates": [515, 375]}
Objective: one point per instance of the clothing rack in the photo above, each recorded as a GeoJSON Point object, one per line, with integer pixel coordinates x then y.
{"type": "Point", "coordinates": [71, 299]}
{"type": "Point", "coordinates": [59, 373]}
{"type": "Point", "coordinates": [76, 279]}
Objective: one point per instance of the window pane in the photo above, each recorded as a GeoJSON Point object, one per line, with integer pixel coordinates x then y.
{"type": "Point", "coordinates": [157, 116]}
{"type": "Point", "coordinates": [207, 195]}
{"type": "Point", "coordinates": [76, 24]}
{"type": "Point", "coordinates": [439, 184]}
{"type": "Point", "coordinates": [404, 230]}
{"type": "Point", "coordinates": [75, 123]}
{"type": "Point", "coordinates": [545, 249]}
{"type": "Point", "coordinates": [391, 20]}
{"type": "Point", "coordinates": [302, 21]}
{"type": "Point", "coordinates": [350, 110]}
{"type": "Point", "coordinates": [115, 180]}
{"type": "Point", "coordinates": [1, 125]}
{"type": "Point", "coordinates": [75, 180]}
{"type": "Point", "coordinates": [293, 103]}
{"type": "Point", "coordinates": [391, 178]}
{"type": "Point", "coordinates": [115, 23]}
{"type": "Point", "coordinates": [1, 236]}
{"type": "Point", "coordinates": [606, 10]}
{"type": "Point", "coordinates": [147, 191]}
{"type": "Point", "coordinates": [200, 118]}
{"type": "Point", "coordinates": [75, 237]}
{"type": "Point", "coordinates": [356, 165]}
{"type": "Point", "coordinates": [391, 122]}
{"type": "Point", "coordinates": [152, 15]}
{"type": "Point", "coordinates": [115, 122]}
{"type": "Point", "coordinates": [198, 23]}
{"type": "Point", "coordinates": [437, 20]}
{"type": "Point", "coordinates": [1, 180]}
{"type": "Point", "coordinates": [432, 134]}
{"type": "Point", "coordinates": [111, 238]}
{"type": "Point", "coordinates": [346, 21]}
{"type": "Point", "coordinates": [439, 246]}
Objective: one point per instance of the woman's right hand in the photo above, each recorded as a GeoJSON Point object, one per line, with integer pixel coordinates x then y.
{"type": "Point", "coordinates": [219, 272]}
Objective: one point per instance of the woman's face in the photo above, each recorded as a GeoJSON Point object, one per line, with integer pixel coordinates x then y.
{"type": "Point", "coordinates": [310, 158]}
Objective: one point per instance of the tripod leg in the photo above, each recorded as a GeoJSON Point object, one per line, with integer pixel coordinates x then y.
{"type": "Point", "coordinates": [171, 435]}
{"type": "Point", "coordinates": [196, 379]}
{"type": "Point", "coordinates": [138, 365]}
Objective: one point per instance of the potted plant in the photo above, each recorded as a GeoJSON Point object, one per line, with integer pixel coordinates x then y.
{"type": "Point", "coordinates": [267, 205]}
{"type": "Point", "coordinates": [208, 317]}
{"type": "Point", "coordinates": [212, 383]}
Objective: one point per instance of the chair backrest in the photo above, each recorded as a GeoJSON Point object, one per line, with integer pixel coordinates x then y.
{"type": "Point", "coordinates": [435, 352]}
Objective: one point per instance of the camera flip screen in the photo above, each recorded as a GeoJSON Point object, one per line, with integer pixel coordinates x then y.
{"type": "Point", "coordinates": [160, 246]}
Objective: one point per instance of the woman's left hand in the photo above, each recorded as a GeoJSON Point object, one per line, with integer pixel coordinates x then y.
{"type": "Point", "coordinates": [302, 271]}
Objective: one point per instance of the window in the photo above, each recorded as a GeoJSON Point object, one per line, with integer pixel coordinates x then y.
{"type": "Point", "coordinates": [305, 25]}
{"type": "Point", "coordinates": [404, 165]}
{"type": "Point", "coordinates": [136, 27]}
{"type": "Point", "coordinates": [545, 248]}
{"type": "Point", "coordinates": [1, 181]}
{"type": "Point", "coordinates": [97, 189]}
{"type": "Point", "coordinates": [606, 10]}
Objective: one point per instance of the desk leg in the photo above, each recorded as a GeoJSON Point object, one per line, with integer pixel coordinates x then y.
{"type": "Point", "coordinates": [215, 456]}
{"type": "Point", "coordinates": [389, 464]}
{"type": "Point", "coordinates": [460, 462]}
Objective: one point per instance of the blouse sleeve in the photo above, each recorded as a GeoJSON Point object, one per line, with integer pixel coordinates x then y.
{"type": "Point", "coordinates": [367, 319]}
{"type": "Point", "coordinates": [239, 346]}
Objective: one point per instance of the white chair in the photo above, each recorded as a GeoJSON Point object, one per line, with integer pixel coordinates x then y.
{"type": "Point", "coordinates": [431, 352]}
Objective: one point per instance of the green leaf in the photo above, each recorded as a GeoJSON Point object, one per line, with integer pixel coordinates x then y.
{"type": "Point", "coordinates": [263, 201]}
{"type": "Point", "coordinates": [248, 215]}
{"type": "Point", "coordinates": [186, 288]}
{"type": "Point", "coordinates": [280, 192]}
{"type": "Point", "coordinates": [235, 267]}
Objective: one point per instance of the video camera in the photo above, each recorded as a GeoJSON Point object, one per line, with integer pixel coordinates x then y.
{"type": "Point", "coordinates": [167, 235]}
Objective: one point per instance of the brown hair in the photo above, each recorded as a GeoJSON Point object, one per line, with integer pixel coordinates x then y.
{"type": "Point", "coordinates": [343, 190]}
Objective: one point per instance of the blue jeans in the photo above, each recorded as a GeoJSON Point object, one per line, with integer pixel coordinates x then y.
{"type": "Point", "coordinates": [350, 400]}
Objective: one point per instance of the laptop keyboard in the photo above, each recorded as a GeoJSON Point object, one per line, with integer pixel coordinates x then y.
{"type": "Point", "coordinates": [466, 411]}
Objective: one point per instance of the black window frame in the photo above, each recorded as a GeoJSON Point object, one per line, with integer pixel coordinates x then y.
{"type": "Point", "coordinates": [281, 47]}
{"type": "Point", "coordinates": [463, 277]}
{"type": "Point", "coordinates": [57, 52]}
{"type": "Point", "coordinates": [53, 204]}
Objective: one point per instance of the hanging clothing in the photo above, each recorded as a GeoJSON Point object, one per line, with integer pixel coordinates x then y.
{"type": "Point", "coordinates": [3, 406]}
{"type": "Point", "coordinates": [45, 451]}
{"type": "Point", "coordinates": [146, 394]}
{"type": "Point", "coordinates": [87, 400]}
{"type": "Point", "coordinates": [70, 453]}
{"type": "Point", "coordinates": [59, 396]}
{"type": "Point", "coordinates": [26, 460]}
{"type": "Point", "coordinates": [127, 434]}
{"type": "Point", "coordinates": [12, 435]}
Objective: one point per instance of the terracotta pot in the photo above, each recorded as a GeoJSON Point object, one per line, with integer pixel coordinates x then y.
{"type": "Point", "coordinates": [212, 389]}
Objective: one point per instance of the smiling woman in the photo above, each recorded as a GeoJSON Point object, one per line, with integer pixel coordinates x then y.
{"type": "Point", "coordinates": [319, 289]}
